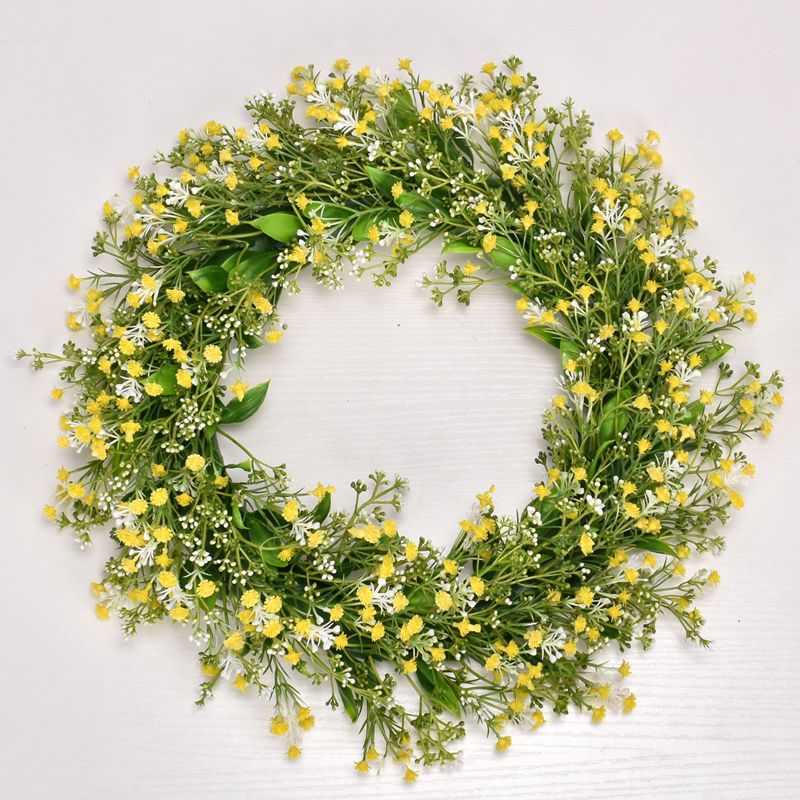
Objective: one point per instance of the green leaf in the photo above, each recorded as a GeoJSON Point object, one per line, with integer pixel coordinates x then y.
{"type": "Point", "coordinates": [438, 688]}
{"type": "Point", "coordinates": [208, 603]}
{"type": "Point", "coordinates": [517, 286]}
{"type": "Point", "coordinates": [329, 212]}
{"type": "Point", "coordinates": [506, 252]}
{"type": "Point", "coordinates": [714, 353]}
{"type": "Point", "coordinates": [420, 600]}
{"type": "Point", "coordinates": [280, 226]}
{"type": "Point", "coordinates": [569, 350]}
{"type": "Point", "coordinates": [351, 703]}
{"type": "Point", "coordinates": [251, 269]}
{"type": "Point", "coordinates": [251, 341]}
{"type": "Point", "coordinates": [656, 546]}
{"type": "Point", "coordinates": [303, 669]}
{"type": "Point", "coordinates": [461, 144]}
{"type": "Point", "coordinates": [212, 278]}
{"type": "Point", "coordinates": [222, 257]}
{"type": "Point", "coordinates": [323, 508]}
{"type": "Point", "coordinates": [266, 538]}
{"type": "Point", "coordinates": [546, 334]}
{"type": "Point", "coordinates": [231, 261]}
{"type": "Point", "coordinates": [613, 418]}
{"type": "Point", "coordinates": [240, 410]}
{"type": "Point", "coordinates": [236, 514]}
{"type": "Point", "coordinates": [165, 377]}
{"type": "Point", "coordinates": [381, 180]}
{"type": "Point", "coordinates": [417, 204]}
{"type": "Point", "coordinates": [691, 413]}
{"type": "Point", "coordinates": [460, 246]}
{"type": "Point", "coordinates": [404, 111]}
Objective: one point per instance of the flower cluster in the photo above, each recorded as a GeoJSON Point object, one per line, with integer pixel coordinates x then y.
{"type": "Point", "coordinates": [277, 587]}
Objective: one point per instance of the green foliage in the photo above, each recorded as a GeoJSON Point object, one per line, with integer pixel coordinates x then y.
{"type": "Point", "coordinates": [519, 612]}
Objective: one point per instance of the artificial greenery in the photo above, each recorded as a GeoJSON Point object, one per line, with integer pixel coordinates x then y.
{"type": "Point", "coordinates": [280, 587]}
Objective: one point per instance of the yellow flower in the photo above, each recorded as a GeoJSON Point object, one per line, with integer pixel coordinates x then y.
{"type": "Point", "coordinates": [167, 579]}
{"type": "Point", "coordinates": [158, 497]}
{"type": "Point", "coordinates": [443, 600]}
{"type": "Point", "coordinates": [235, 641]}
{"type": "Point", "coordinates": [278, 725]}
{"type": "Point", "coordinates": [406, 219]}
{"type": "Point", "coordinates": [250, 598]}
{"type": "Point", "coordinates": [212, 354]}
{"type": "Point", "coordinates": [291, 511]}
{"type": "Point", "coordinates": [465, 627]}
{"type": "Point", "coordinates": [239, 388]}
{"type": "Point", "coordinates": [195, 462]}
{"type": "Point", "coordinates": [378, 631]}
{"type": "Point", "coordinates": [206, 588]}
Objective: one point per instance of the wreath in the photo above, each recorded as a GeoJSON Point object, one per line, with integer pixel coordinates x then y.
{"type": "Point", "coordinates": [278, 586]}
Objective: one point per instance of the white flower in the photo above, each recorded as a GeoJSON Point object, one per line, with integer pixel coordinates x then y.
{"type": "Point", "coordinates": [320, 636]}
{"type": "Point", "coordinates": [672, 469]}
{"type": "Point", "coordinates": [535, 312]}
{"type": "Point", "coordinates": [320, 97]}
{"type": "Point", "coordinates": [130, 388]}
{"type": "Point", "coordinates": [609, 690]}
{"type": "Point", "coordinates": [217, 172]}
{"type": "Point", "coordinates": [347, 121]}
{"type": "Point", "coordinates": [125, 210]}
{"type": "Point", "coordinates": [700, 300]}
{"type": "Point", "coordinates": [174, 596]}
{"type": "Point", "coordinates": [146, 555]}
{"type": "Point", "coordinates": [662, 247]}
{"type": "Point", "coordinates": [534, 515]}
{"type": "Point", "coordinates": [81, 315]}
{"type": "Point", "coordinates": [391, 233]}
{"type": "Point", "coordinates": [301, 529]}
{"type": "Point", "coordinates": [383, 599]}
{"type": "Point", "coordinates": [261, 617]}
{"type": "Point", "coordinates": [464, 108]}
{"type": "Point", "coordinates": [685, 372]}
{"type": "Point", "coordinates": [552, 645]}
{"type": "Point", "coordinates": [231, 665]}
{"type": "Point", "coordinates": [178, 194]}
{"type": "Point", "coordinates": [257, 138]}
{"type": "Point", "coordinates": [595, 504]}
{"type": "Point", "coordinates": [635, 321]}
{"type": "Point", "coordinates": [613, 214]}
{"type": "Point", "coordinates": [737, 475]}
{"type": "Point", "coordinates": [147, 291]}
{"type": "Point", "coordinates": [138, 334]}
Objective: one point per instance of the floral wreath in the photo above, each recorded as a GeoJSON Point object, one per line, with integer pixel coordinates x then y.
{"type": "Point", "coordinates": [277, 586]}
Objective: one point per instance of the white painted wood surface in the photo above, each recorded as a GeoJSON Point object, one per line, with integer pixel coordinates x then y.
{"type": "Point", "coordinates": [450, 398]}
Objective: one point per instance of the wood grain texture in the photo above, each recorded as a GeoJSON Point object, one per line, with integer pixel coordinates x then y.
{"type": "Point", "coordinates": [368, 378]}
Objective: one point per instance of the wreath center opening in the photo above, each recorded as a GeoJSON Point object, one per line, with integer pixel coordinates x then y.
{"type": "Point", "coordinates": [368, 378]}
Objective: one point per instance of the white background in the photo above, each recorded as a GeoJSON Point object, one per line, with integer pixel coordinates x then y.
{"type": "Point", "coordinates": [381, 378]}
